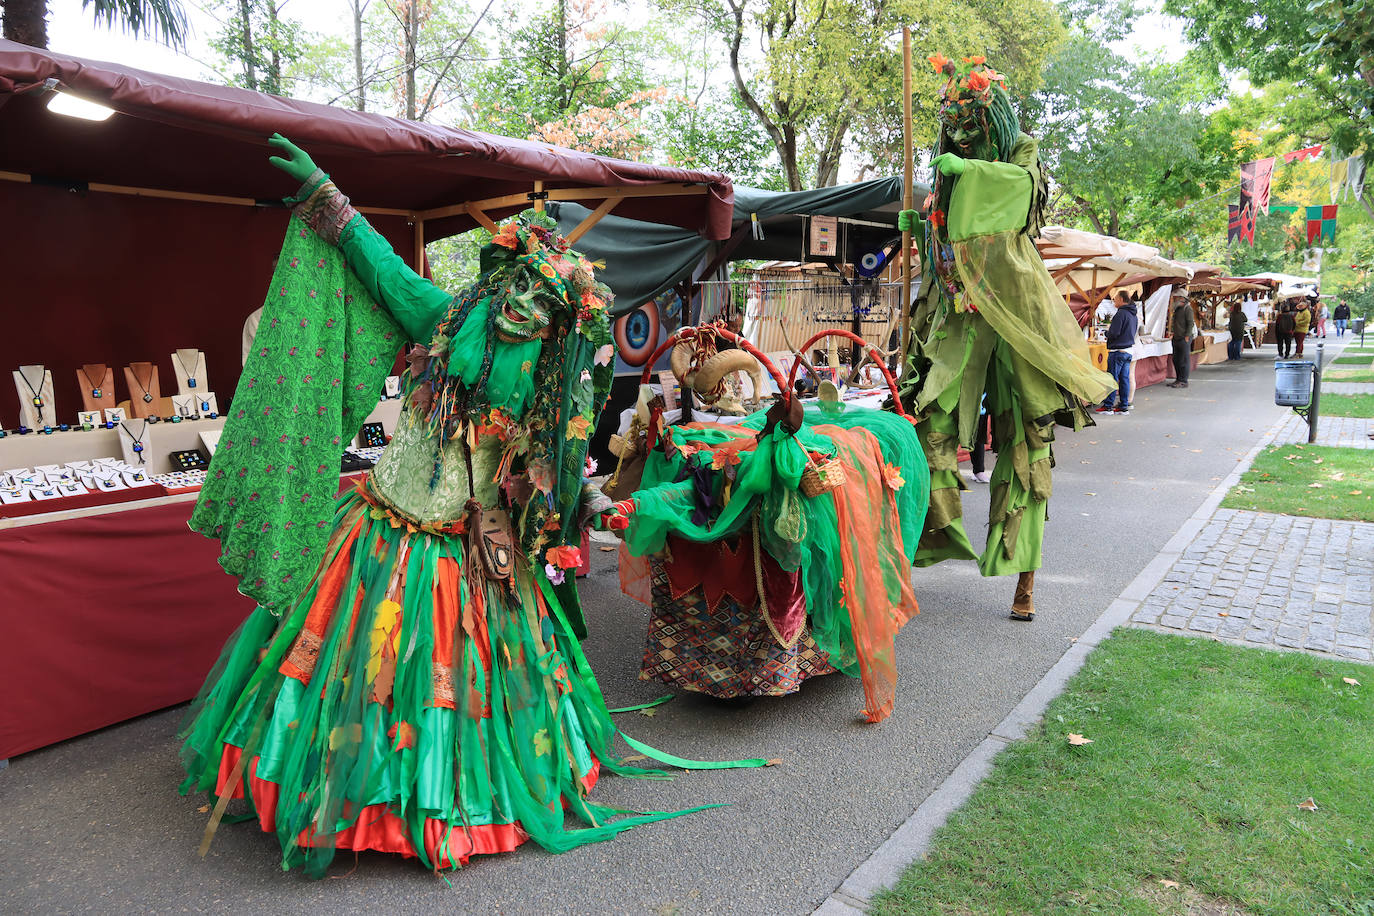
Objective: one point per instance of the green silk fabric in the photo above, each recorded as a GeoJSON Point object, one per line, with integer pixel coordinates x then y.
{"type": "Point", "coordinates": [322, 351]}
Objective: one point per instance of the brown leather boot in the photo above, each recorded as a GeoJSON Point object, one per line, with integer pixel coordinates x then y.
{"type": "Point", "coordinates": [1023, 606]}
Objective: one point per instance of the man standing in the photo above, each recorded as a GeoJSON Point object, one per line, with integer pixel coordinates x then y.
{"type": "Point", "coordinates": [1182, 328]}
{"type": "Point", "coordinates": [1235, 323]}
{"type": "Point", "coordinates": [1120, 339]}
{"type": "Point", "coordinates": [1342, 317]}
{"type": "Point", "coordinates": [1283, 330]}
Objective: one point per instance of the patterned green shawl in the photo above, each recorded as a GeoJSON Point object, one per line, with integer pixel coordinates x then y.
{"type": "Point", "coordinates": [322, 351]}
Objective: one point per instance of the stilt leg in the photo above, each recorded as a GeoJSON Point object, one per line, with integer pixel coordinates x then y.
{"type": "Point", "coordinates": [1023, 605]}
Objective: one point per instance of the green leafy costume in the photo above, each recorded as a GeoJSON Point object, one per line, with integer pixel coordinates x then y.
{"type": "Point", "coordinates": [989, 322]}
{"type": "Point", "coordinates": [411, 681]}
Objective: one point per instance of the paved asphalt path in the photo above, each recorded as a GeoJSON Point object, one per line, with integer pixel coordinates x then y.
{"type": "Point", "coordinates": [95, 824]}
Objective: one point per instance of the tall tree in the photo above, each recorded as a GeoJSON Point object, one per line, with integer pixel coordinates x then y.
{"type": "Point", "coordinates": [26, 21]}
{"type": "Point", "coordinates": [258, 44]}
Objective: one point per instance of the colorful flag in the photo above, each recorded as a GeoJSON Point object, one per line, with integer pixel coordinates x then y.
{"type": "Point", "coordinates": [1339, 171]}
{"type": "Point", "coordinates": [1283, 209]}
{"type": "Point", "coordinates": [1261, 171]}
{"type": "Point", "coordinates": [1311, 152]}
{"type": "Point", "coordinates": [1240, 225]}
{"type": "Point", "coordinates": [1321, 223]}
{"type": "Point", "coordinates": [1354, 173]}
{"type": "Point", "coordinates": [1232, 223]}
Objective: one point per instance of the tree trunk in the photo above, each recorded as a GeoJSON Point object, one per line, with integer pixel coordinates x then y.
{"type": "Point", "coordinates": [1090, 213]}
{"type": "Point", "coordinates": [358, 7]}
{"type": "Point", "coordinates": [564, 91]}
{"type": "Point", "coordinates": [26, 21]}
{"type": "Point", "coordinates": [412, 38]}
{"type": "Point", "coordinates": [274, 63]}
{"type": "Point", "coordinates": [250, 72]}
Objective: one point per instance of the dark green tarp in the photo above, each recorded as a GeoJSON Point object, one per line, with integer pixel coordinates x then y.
{"type": "Point", "coordinates": [643, 259]}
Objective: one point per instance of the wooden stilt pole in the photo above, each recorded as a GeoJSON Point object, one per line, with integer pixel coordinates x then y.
{"type": "Point", "coordinates": [907, 196]}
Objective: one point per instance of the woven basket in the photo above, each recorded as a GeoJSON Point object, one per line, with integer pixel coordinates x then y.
{"type": "Point", "coordinates": [823, 477]}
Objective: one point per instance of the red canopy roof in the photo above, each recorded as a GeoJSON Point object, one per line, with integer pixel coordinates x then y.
{"type": "Point", "coordinates": [183, 135]}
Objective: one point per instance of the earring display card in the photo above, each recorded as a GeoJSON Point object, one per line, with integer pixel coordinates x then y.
{"type": "Point", "coordinates": [115, 415]}
{"type": "Point", "coordinates": [88, 418]}
{"type": "Point", "coordinates": [392, 388]}
{"type": "Point", "coordinates": [11, 495]}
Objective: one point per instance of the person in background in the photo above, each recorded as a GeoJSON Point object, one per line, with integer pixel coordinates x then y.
{"type": "Point", "coordinates": [1302, 324]}
{"type": "Point", "coordinates": [1283, 330]}
{"type": "Point", "coordinates": [1342, 318]}
{"type": "Point", "coordinates": [1120, 339]}
{"type": "Point", "coordinates": [1321, 314]}
{"type": "Point", "coordinates": [1235, 323]}
{"type": "Point", "coordinates": [1182, 329]}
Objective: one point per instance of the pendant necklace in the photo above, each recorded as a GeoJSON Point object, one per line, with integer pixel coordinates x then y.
{"type": "Point", "coordinates": [190, 376]}
{"type": "Point", "coordinates": [37, 398]}
{"type": "Point", "coordinates": [138, 440]}
{"type": "Point", "coordinates": [147, 395]}
{"type": "Point", "coordinates": [95, 389]}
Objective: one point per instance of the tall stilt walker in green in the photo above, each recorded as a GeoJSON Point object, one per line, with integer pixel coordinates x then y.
{"type": "Point", "coordinates": [990, 329]}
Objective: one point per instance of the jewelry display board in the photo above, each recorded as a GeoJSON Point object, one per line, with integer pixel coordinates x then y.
{"type": "Point", "coordinates": [144, 389]}
{"type": "Point", "coordinates": [96, 381]}
{"type": "Point", "coordinates": [135, 441]}
{"type": "Point", "coordinates": [189, 366]}
{"type": "Point", "coordinates": [37, 407]}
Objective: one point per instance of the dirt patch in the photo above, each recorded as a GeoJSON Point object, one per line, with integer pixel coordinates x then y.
{"type": "Point", "coordinates": [1183, 900]}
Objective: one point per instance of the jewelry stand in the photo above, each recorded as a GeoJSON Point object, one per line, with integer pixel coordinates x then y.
{"type": "Point", "coordinates": [189, 366]}
{"type": "Point", "coordinates": [144, 389]}
{"type": "Point", "coordinates": [35, 415]}
{"type": "Point", "coordinates": [135, 441]}
{"type": "Point", "coordinates": [96, 381]}
{"type": "Point", "coordinates": [184, 406]}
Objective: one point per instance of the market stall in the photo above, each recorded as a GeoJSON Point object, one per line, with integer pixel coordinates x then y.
{"type": "Point", "coordinates": [139, 244]}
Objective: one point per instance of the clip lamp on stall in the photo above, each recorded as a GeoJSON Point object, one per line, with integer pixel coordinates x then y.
{"type": "Point", "coordinates": [63, 102]}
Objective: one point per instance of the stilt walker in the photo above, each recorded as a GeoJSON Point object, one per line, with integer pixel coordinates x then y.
{"type": "Point", "coordinates": [989, 321]}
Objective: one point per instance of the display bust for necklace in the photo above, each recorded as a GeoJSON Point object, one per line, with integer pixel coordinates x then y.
{"type": "Point", "coordinates": [190, 369]}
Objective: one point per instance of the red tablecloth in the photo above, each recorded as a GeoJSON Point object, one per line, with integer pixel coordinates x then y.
{"type": "Point", "coordinates": [111, 617]}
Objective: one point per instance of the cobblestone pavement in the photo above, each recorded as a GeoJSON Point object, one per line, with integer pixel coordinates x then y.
{"type": "Point", "coordinates": [1347, 432]}
{"type": "Point", "coordinates": [1347, 387]}
{"type": "Point", "coordinates": [1275, 581]}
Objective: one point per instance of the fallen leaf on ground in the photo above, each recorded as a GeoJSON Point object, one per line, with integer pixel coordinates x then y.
{"type": "Point", "coordinates": [607, 549]}
{"type": "Point", "coordinates": [1356, 492]}
{"type": "Point", "coordinates": [1078, 740]}
{"type": "Point", "coordinates": [1314, 486]}
{"type": "Point", "coordinates": [1223, 614]}
{"type": "Point", "coordinates": [1089, 493]}
{"type": "Point", "coordinates": [1351, 681]}
{"type": "Point", "coordinates": [203, 809]}
{"type": "Point", "coordinates": [1308, 805]}
{"type": "Point", "coordinates": [648, 712]}
{"type": "Point", "coordinates": [1167, 883]}
{"type": "Point", "coordinates": [633, 758]}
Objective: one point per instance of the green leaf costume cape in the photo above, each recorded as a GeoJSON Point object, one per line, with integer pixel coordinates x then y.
{"type": "Point", "coordinates": [989, 322]}
{"type": "Point", "coordinates": [411, 681]}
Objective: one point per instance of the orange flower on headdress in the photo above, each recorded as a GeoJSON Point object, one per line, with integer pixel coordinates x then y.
{"type": "Point", "coordinates": [507, 238]}
{"type": "Point", "coordinates": [976, 60]}
{"type": "Point", "coordinates": [938, 61]}
{"type": "Point", "coordinates": [978, 82]}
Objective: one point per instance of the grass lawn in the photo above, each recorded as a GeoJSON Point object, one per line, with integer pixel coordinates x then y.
{"type": "Point", "coordinates": [1347, 405]}
{"type": "Point", "coordinates": [1312, 480]}
{"type": "Point", "coordinates": [1346, 359]}
{"type": "Point", "coordinates": [1186, 802]}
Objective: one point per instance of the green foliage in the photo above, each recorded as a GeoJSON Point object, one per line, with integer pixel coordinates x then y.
{"type": "Point", "coordinates": [164, 20]}
{"type": "Point", "coordinates": [1201, 754]}
{"type": "Point", "coordinates": [257, 44]}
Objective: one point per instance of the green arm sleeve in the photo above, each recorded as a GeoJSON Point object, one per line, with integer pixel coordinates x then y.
{"type": "Point", "coordinates": [412, 300]}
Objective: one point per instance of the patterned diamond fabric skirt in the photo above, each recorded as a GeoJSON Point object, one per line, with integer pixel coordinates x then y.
{"type": "Point", "coordinates": [726, 652]}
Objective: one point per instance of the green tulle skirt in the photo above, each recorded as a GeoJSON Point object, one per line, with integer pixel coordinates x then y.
{"type": "Point", "coordinates": [409, 706]}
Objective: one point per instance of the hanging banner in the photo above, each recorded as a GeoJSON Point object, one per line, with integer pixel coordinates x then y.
{"type": "Point", "coordinates": [1283, 209]}
{"type": "Point", "coordinates": [1236, 225]}
{"type": "Point", "coordinates": [1354, 176]}
{"type": "Point", "coordinates": [1312, 260]}
{"type": "Point", "coordinates": [1339, 174]}
{"type": "Point", "coordinates": [1261, 173]}
{"type": "Point", "coordinates": [1311, 152]}
{"type": "Point", "coordinates": [1321, 223]}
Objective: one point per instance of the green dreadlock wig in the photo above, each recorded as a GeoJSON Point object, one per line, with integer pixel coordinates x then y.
{"type": "Point", "coordinates": [975, 97]}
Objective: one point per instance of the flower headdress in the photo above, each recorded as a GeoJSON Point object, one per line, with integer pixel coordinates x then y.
{"type": "Point", "coordinates": [974, 90]}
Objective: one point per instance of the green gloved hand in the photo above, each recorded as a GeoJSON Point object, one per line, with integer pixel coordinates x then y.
{"type": "Point", "coordinates": [907, 220]}
{"type": "Point", "coordinates": [949, 164]}
{"type": "Point", "coordinates": [300, 166]}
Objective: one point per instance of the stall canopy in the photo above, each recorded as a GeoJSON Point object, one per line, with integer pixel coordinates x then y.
{"type": "Point", "coordinates": [643, 261]}
{"type": "Point", "coordinates": [1091, 265]}
{"type": "Point", "coordinates": [158, 228]}
{"type": "Point", "coordinates": [185, 136]}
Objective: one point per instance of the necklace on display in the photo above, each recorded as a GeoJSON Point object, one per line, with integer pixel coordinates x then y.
{"type": "Point", "coordinates": [95, 389]}
{"type": "Point", "coordinates": [147, 395]}
{"type": "Point", "coordinates": [37, 397]}
{"type": "Point", "coordinates": [137, 440]}
{"type": "Point", "coordinates": [190, 375]}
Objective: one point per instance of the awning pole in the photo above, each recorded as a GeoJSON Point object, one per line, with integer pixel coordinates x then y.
{"type": "Point", "coordinates": [907, 196]}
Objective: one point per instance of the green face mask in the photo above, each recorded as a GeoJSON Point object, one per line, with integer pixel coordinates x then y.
{"type": "Point", "coordinates": [970, 137]}
{"type": "Point", "coordinates": [523, 309]}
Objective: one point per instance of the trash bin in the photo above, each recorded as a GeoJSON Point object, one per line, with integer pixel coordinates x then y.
{"type": "Point", "coordinates": [1357, 326]}
{"type": "Point", "coordinates": [1293, 382]}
